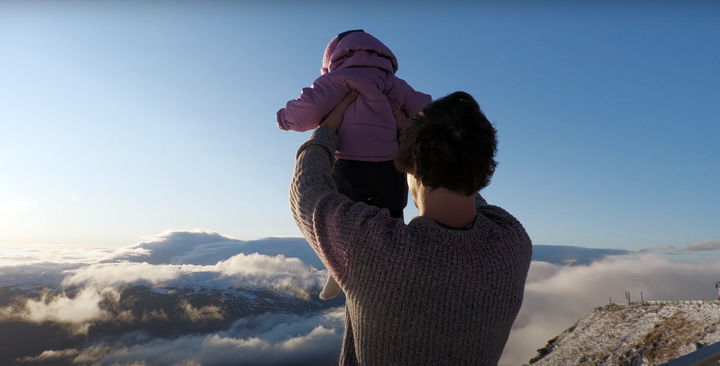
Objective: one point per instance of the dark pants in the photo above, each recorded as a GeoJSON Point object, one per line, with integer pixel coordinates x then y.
{"type": "Point", "coordinates": [376, 183]}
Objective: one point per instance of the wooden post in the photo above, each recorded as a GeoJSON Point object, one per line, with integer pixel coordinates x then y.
{"type": "Point", "coordinates": [642, 301]}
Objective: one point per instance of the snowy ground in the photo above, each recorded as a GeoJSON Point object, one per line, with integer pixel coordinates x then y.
{"type": "Point", "coordinates": [635, 335]}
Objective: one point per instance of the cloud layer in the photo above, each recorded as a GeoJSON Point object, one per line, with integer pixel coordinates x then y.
{"type": "Point", "coordinates": [84, 285]}
{"type": "Point", "coordinates": [269, 339]}
{"type": "Point", "coordinates": [241, 270]}
{"type": "Point", "coordinates": [702, 246]}
{"type": "Point", "coordinates": [165, 257]}
{"type": "Point", "coordinates": [564, 283]}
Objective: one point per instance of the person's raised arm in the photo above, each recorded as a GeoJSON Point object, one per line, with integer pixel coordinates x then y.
{"type": "Point", "coordinates": [330, 222]}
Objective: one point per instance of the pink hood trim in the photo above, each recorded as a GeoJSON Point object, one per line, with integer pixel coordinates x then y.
{"type": "Point", "coordinates": [358, 49]}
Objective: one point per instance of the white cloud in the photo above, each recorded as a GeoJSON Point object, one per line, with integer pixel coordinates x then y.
{"type": "Point", "coordinates": [267, 339]}
{"type": "Point", "coordinates": [61, 308]}
{"type": "Point", "coordinates": [240, 270]}
{"type": "Point", "coordinates": [196, 247]}
{"type": "Point", "coordinates": [42, 274]}
{"type": "Point", "coordinates": [204, 247]}
{"type": "Point", "coordinates": [277, 339]}
{"type": "Point", "coordinates": [10, 256]}
{"type": "Point", "coordinates": [109, 274]}
{"type": "Point", "coordinates": [556, 298]}
{"type": "Point", "coordinates": [77, 311]}
{"type": "Point", "coordinates": [203, 314]}
{"type": "Point", "coordinates": [702, 246]}
{"type": "Point", "coordinates": [214, 260]}
{"type": "Point", "coordinates": [10, 207]}
{"type": "Point", "coordinates": [254, 264]}
{"type": "Point", "coordinates": [661, 248]}
{"type": "Point", "coordinates": [541, 270]}
{"type": "Point", "coordinates": [51, 355]}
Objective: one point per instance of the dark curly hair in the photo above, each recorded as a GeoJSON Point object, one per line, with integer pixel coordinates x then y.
{"type": "Point", "coordinates": [450, 144]}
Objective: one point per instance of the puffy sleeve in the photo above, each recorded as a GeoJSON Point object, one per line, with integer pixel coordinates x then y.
{"type": "Point", "coordinates": [413, 101]}
{"type": "Point", "coordinates": [314, 103]}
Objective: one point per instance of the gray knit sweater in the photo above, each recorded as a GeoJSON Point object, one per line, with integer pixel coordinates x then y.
{"type": "Point", "coordinates": [417, 294]}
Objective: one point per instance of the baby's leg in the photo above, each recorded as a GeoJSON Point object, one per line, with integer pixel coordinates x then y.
{"type": "Point", "coordinates": [389, 187]}
{"type": "Point", "coordinates": [331, 289]}
{"type": "Point", "coordinates": [351, 180]}
{"type": "Point", "coordinates": [376, 183]}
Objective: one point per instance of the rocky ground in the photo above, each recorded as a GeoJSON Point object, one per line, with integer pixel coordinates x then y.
{"type": "Point", "coordinates": [634, 335]}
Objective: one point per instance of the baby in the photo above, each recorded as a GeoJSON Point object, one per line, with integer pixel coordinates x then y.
{"type": "Point", "coordinates": [363, 170]}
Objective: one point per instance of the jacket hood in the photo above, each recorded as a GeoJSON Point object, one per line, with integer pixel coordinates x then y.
{"type": "Point", "coordinates": [359, 49]}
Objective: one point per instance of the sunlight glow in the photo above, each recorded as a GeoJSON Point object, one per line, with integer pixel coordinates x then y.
{"type": "Point", "coordinates": [9, 207]}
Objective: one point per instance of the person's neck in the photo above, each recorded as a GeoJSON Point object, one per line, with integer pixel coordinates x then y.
{"type": "Point", "coordinates": [447, 207]}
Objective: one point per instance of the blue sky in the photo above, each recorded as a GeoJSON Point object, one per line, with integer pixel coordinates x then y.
{"type": "Point", "coordinates": [121, 120]}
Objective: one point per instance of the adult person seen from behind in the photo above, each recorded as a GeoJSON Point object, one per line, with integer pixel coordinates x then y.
{"type": "Point", "coordinates": [443, 289]}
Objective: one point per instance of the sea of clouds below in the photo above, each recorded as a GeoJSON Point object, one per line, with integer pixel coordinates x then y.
{"type": "Point", "coordinates": [556, 295]}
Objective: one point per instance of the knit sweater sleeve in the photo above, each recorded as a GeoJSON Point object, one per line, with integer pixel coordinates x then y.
{"type": "Point", "coordinates": [330, 221]}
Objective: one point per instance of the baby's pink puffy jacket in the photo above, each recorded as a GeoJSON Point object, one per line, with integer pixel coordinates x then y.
{"type": "Point", "coordinates": [368, 132]}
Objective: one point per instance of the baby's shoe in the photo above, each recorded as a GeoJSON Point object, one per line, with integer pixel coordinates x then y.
{"type": "Point", "coordinates": [331, 289]}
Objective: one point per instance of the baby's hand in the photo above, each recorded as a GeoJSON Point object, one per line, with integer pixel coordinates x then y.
{"type": "Point", "coordinates": [401, 119]}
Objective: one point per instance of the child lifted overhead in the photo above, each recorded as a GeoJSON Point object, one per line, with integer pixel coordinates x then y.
{"type": "Point", "coordinates": [363, 170]}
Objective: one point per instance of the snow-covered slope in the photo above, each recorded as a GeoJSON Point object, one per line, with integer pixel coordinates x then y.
{"type": "Point", "coordinates": [635, 335]}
